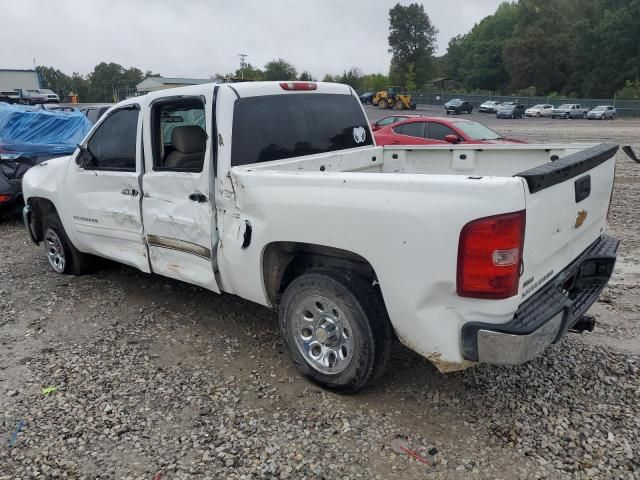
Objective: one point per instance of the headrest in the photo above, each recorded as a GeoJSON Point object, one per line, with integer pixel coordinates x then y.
{"type": "Point", "coordinates": [188, 139]}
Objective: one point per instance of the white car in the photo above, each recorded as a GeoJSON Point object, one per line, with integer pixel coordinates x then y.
{"type": "Point", "coordinates": [489, 106]}
{"type": "Point", "coordinates": [542, 110]}
{"type": "Point", "coordinates": [277, 193]}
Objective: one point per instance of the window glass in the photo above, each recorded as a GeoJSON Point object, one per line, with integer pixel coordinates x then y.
{"type": "Point", "coordinates": [386, 121]}
{"type": "Point", "coordinates": [179, 135]}
{"type": "Point", "coordinates": [477, 131]}
{"type": "Point", "coordinates": [113, 145]}
{"type": "Point", "coordinates": [275, 127]}
{"type": "Point", "coordinates": [438, 131]}
{"type": "Point", "coordinates": [414, 129]}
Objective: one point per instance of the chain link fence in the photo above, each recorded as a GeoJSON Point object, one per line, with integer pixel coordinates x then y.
{"type": "Point", "coordinates": [625, 108]}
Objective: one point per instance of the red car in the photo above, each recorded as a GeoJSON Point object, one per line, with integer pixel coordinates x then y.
{"type": "Point", "coordinates": [438, 131]}
{"type": "Point", "coordinates": [390, 120]}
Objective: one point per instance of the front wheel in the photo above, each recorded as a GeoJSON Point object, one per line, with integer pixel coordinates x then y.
{"type": "Point", "coordinates": [566, 116]}
{"type": "Point", "coordinates": [336, 329]}
{"type": "Point", "coordinates": [399, 105]}
{"type": "Point", "coordinates": [61, 254]}
{"type": "Point", "coordinates": [382, 103]}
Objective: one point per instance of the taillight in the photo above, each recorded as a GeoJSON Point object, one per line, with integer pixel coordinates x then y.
{"type": "Point", "coordinates": [298, 85]}
{"type": "Point", "coordinates": [489, 256]}
{"type": "Point", "coordinates": [5, 198]}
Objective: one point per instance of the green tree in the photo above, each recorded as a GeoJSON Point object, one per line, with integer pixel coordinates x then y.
{"type": "Point", "coordinates": [631, 90]}
{"type": "Point", "coordinates": [476, 59]}
{"type": "Point", "coordinates": [54, 79]}
{"type": "Point", "coordinates": [249, 72]}
{"type": "Point", "coordinates": [329, 78]}
{"type": "Point", "coordinates": [531, 56]}
{"type": "Point", "coordinates": [410, 78]}
{"type": "Point", "coordinates": [279, 70]}
{"type": "Point", "coordinates": [306, 76]}
{"type": "Point", "coordinates": [412, 40]}
{"type": "Point", "coordinates": [375, 82]}
{"type": "Point", "coordinates": [352, 77]}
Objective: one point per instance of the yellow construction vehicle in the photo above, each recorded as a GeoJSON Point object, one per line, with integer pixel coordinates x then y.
{"type": "Point", "coordinates": [393, 97]}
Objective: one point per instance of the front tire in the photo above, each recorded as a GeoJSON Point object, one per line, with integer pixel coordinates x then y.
{"type": "Point", "coordinates": [63, 257]}
{"type": "Point", "coordinates": [382, 103]}
{"type": "Point", "coordinates": [336, 329]}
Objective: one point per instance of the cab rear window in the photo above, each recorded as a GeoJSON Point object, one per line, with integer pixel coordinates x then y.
{"type": "Point", "coordinates": [276, 127]}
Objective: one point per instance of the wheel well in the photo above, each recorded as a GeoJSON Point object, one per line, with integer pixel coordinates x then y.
{"type": "Point", "coordinates": [40, 208]}
{"type": "Point", "coordinates": [282, 262]}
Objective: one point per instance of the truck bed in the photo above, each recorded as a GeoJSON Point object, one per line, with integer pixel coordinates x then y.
{"type": "Point", "coordinates": [478, 160]}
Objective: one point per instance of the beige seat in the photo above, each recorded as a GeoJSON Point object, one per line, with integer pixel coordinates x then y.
{"type": "Point", "coordinates": [189, 143]}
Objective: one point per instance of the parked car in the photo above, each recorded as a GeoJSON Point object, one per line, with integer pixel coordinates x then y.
{"type": "Point", "coordinates": [602, 112]}
{"type": "Point", "coordinates": [367, 97]}
{"type": "Point", "coordinates": [48, 95]}
{"type": "Point", "coordinates": [510, 110]}
{"type": "Point", "coordinates": [301, 218]}
{"type": "Point", "coordinates": [438, 131]}
{"type": "Point", "coordinates": [94, 112]}
{"type": "Point", "coordinates": [458, 106]}
{"type": "Point", "coordinates": [569, 110]}
{"type": "Point", "coordinates": [541, 110]}
{"type": "Point", "coordinates": [489, 106]}
{"type": "Point", "coordinates": [386, 121]}
{"type": "Point", "coordinates": [29, 136]}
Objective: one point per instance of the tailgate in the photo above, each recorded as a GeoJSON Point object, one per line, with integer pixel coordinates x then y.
{"type": "Point", "coordinates": [566, 206]}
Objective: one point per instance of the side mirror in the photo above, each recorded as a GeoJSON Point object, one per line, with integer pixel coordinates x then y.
{"type": "Point", "coordinates": [84, 157]}
{"type": "Point", "coordinates": [451, 138]}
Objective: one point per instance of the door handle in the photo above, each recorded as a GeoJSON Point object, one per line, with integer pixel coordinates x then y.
{"type": "Point", "coordinates": [132, 192]}
{"type": "Point", "coordinates": [198, 197]}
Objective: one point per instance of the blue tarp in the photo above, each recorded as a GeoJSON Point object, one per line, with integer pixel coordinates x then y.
{"type": "Point", "coordinates": [33, 131]}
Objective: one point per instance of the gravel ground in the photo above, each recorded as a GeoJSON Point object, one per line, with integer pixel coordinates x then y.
{"type": "Point", "coordinates": [159, 379]}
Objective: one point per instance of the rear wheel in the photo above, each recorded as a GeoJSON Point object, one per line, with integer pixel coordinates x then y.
{"type": "Point", "coordinates": [399, 105]}
{"type": "Point", "coordinates": [382, 103]}
{"type": "Point", "coordinates": [336, 329]}
{"type": "Point", "coordinates": [61, 254]}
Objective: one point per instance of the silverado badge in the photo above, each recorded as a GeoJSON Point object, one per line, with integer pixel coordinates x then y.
{"type": "Point", "coordinates": [580, 218]}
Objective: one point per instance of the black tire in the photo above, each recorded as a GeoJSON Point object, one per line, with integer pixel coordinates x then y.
{"type": "Point", "coordinates": [371, 333]}
{"type": "Point", "coordinates": [75, 262]}
{"type": "Point", "coordinates": [567, 116]}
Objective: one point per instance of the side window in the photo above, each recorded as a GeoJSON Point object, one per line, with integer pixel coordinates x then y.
{"type": "Point", "coordinates": [386, 121]}
{"type": "Point", "coordinates": [92, 115]}
{"type": "Point", "coordinates": [438, 131]}
{"type": "Point", "coordinates": [414, 129]}
{"type": "Point", "coordinates": [113, 144]}
{"type": "Point", "coordinates": [179, 135]}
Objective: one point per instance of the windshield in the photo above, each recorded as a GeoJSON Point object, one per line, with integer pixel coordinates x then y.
{"type": "Point", "coordinates": [274, 127]}
{"type": "Point", "coordinates": [477, 131]}
{"type": "Point", "coordinates": [506, 107]}
{"type": "Point", "coordinates": [538, 106]}
{"type": "Point", "coordinates": [566, 106]}
{"type": "Point", "coordinates": [600, 108]}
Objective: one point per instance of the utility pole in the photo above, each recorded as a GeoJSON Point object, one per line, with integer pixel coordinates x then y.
{"type": "Point", "coordinates": [243, 64]}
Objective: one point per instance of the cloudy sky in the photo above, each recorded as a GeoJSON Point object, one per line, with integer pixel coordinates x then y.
{"type": "Point", "coordinates": [197, 38]}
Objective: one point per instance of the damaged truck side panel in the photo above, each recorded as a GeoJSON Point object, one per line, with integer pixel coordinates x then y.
{"type": "Point", "coordinates": [277, 193]}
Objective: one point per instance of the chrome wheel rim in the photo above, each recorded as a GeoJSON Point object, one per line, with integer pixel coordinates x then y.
{"type": "Point", "coordinates": [322, 334]}
{"type": "Point", "coordinates": [55, 252]}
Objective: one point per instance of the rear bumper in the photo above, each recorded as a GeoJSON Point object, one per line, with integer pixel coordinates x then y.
{"type": "Point", "coordinates": [548, 315]}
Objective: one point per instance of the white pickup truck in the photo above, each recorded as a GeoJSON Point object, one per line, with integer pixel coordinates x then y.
{"type": "Point", "coordinates": [277, 193]}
